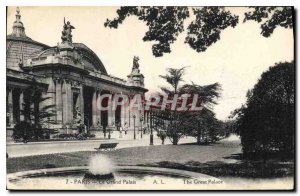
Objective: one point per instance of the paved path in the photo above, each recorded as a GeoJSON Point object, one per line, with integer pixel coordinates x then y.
{"type": "Point", "coordinates": [34, 148]}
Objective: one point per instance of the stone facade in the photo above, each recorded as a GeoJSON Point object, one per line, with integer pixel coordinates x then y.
{"type": "Point", "coordinates": [72, 76]}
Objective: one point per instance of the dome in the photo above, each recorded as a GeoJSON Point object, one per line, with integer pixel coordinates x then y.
{"type": "Point", "coordinates": [90, 60]}
{"type": "Point", "coordinates": [20, 49]}
{"type": "Point", "coordinates": [19, 46]}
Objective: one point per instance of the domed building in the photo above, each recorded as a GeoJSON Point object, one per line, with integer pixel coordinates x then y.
{"type": "Point", "coordinates": [70, 76]}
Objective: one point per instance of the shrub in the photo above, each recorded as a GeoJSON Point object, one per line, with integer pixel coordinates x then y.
{"type": "Point", "coordinates": [23, 130]}
{"type": "Point", "coordinates": [80, 136]}
{"type": "Point", "coordinates": [267, 122]}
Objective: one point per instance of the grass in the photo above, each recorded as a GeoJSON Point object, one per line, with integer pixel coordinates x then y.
{"type": "Point", "coordinates": [221, 159]}
{"type": "Point", "coordinates": [247, 169]}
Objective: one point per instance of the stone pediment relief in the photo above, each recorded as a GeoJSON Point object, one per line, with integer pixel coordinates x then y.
{"type": "Point", "coordinates": [57, 55]}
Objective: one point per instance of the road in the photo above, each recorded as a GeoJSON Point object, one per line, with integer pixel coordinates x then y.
{"type": "Point", "coordinates": [34, 148]}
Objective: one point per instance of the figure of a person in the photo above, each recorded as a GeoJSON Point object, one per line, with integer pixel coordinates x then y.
{"type": "Point", "coordinates": [67, 32]}
{"type": "Point", "coordinates": [135, 63]}
{"type": "Point", "coordinates": [118, 125]}
{"type": "Point", "coordinates": [125, 128]}
{"type": "Point", "coordinates": [120, 132]}
{"type": "Point", "coordinates": [163, 136]}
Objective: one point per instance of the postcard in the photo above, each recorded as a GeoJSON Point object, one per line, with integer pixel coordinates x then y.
{"type": "Point", "coordinates": [150, 98]}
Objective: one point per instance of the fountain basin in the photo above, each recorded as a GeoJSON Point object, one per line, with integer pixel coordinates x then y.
{"type": "Point", "coordinates": [125, 178]}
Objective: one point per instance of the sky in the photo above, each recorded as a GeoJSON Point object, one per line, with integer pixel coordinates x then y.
{"type": "Point", "coordinates": [236, 61]}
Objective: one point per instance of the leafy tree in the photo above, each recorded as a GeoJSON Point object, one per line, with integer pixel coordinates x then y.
{"type": "Point", "coordinates": [207, 27]}
{"type": "Point", "coordinates": [166, 23]}
{"type": "Point", "coordinates": [271, 18]}
{"type": "Point", "coordinates": [203, 124]}
{"type": "Point", "coordinates": [37, 116]}
{"type": "Point", "coordinates": [181, 123]}
{"type": "Point", "coordinates": [266, 122]}
{"type": "Point", "coordinates": [173, 78]}
{"type": "Point", "coordinates": [175, 128]}
{"type": "Point", "coordinates": [21, 130]}
{"type": "Point", "coordinates": [228, 128]}
{"type": "Point", "coordinates": [207, 93]}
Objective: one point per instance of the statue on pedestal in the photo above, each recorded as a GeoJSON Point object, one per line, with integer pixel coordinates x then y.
{"type": "Point", "coordinates": [136, 64]}
{"type": "Point", "coordinates": [77, 117]}
{"type": "Point", "coordinates": [67, 32]}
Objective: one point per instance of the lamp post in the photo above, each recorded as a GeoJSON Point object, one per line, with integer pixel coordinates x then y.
{"type": "Point", "coordinates": [141, 121]}
{"type": "Point", "coordinates": [109, 136]}
{"type": "Point", "coordinates": [134, 126]}
{"type": "Point", "coordinates": [151, 134]}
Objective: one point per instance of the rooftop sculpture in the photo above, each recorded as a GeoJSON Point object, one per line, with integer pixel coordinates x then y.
{"type": "Point", "coordinates": [67, 32]}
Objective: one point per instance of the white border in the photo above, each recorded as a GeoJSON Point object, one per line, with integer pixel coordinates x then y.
{"type": "Point", "coordinates": [4, 3]}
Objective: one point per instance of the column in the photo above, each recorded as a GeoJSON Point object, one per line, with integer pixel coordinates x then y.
{"type": "Point", "coordinates": [127, 113]}
{"type": "Point", "coordinates": [138, 118]}
{"type": "Point", "coordinates": [33, 106]}
{"type": "Point", "coordinates": [10, 106]}
{"type": "Point", "coordinates": [94, 108]}
{"type": "Point", "coordinates": [123, 113]}
{"type": "Point", "coordinates": [51, 91]}
{"type": "Point", "coordinates": [98, 108]}
{"type": "Point", "coordinates": [22, 105]}
{"type": "Point", "coordinates": [67, 102]}
{"type": "Point", "coordinates": [130, 113]}
{"type": "Point", "coordinates": [58, 101]}
{"type": "Point", "coordinates": [70, 98]}
{"type": "Point", "coordinates": [110, 113]}
{"type": "Point", "coordinates": [146, 118]}
{"type": "Point", "coordinates": [113, 112]}
{"type": "Point", "coordinates": [139, 114]}
{"type": "Point", "coordinates": [45, 102]}
{"type": "Point", "coordinates": [81, 103]}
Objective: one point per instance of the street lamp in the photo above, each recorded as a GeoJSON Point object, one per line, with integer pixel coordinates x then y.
{"type": "Point", "coordinates": [133, 126]}
{"type": "Point", "coordinates": [109, 136]}
{"type": "Point", "coordinates": [151, 134]}
{"type": "Point", "coordinates": [141, 121]}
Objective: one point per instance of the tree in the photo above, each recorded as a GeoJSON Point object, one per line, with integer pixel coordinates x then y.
{"type": "Point", "coordinates": [21, 130]}
{"type": "Point", "coordinates": [266, 123]}
{"type": "Point", "coordinates": [182, 122]}
{"type": "Point", "coordinates": [271, 18]}
{"type": "Point", "coordinates": [207, 27]}
{"type": "Point", "coordinates": [166, 23]}
{"type": "Point", "coordinates": [37, 116]}
{"type": "Point", "coordinates": [203, 124]}
{"type": "Point", "coordinates": [173, 78]}
{"type": "Point", "coordinates": [175, 129]}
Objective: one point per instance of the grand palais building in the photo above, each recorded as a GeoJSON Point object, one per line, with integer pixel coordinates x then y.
{"type": "Point", "coordinates": [71, 74]}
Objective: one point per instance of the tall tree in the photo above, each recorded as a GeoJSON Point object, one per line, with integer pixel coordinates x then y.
{"type": "Point", "coordinates": [182, 122]}
{"type": "Point", "coordinates": [175, 127]}
{"type": "Point", "coordinates": [271, 18]}
{"type": "Point", "coordinates": [203, 123]}
{"type": "Point", "coordinates": [173, 77]}
{"type": "Point", "coordinates": [38, 116]}
{"type": "Point", "coordinates": [266, 122]}
{"type": "Point", "coordinates": [166, 23]}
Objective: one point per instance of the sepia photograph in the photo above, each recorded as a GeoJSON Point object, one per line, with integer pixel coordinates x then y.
{"type": "Point", "coordinates": [150, 98]}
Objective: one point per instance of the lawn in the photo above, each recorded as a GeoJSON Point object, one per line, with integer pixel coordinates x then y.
{"type": "Point", "coordinates": [220, 159]}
